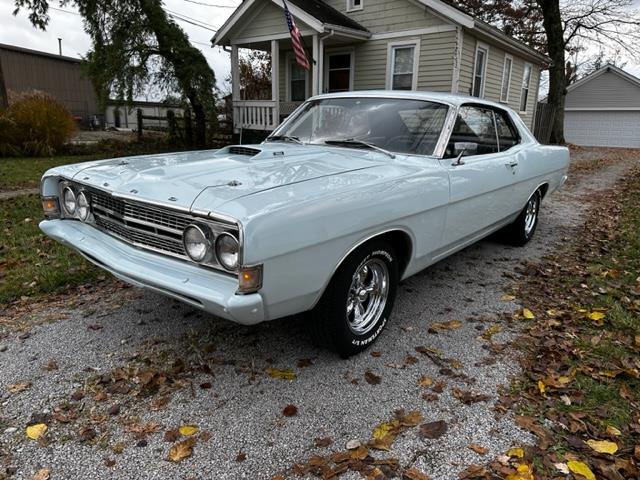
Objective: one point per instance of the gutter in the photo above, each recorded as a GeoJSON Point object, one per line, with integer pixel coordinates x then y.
{"type": "Point", "coordinates": [504, 39]}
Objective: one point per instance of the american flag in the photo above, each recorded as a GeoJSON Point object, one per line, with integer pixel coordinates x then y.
{"type": "Point", "coordinates": [296, 39]}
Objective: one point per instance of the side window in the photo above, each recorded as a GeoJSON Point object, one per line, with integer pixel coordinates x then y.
{"type": "Point", "coordinates": [507, 132]}
{"type": "Point", "coordinates": [474, 125]}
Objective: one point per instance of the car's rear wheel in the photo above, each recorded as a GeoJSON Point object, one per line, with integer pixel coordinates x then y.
{"type": "Point", "coordinates": [358, 301]}
{"type": "Point", "coordinates": [523, 228]}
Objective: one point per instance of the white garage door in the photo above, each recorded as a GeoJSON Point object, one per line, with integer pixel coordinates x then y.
{"type": "Point", "coordinates": [602, 128]}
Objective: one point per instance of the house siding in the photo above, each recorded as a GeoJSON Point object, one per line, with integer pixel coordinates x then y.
{"type": "Point", "coordinates": [380, 16]}
{"type": "Point", "coordinates": [268, 20]}
{"type": "Point", "coordinates": [437, 52]}
{"type": "Point", "coordinates": [608, 90]}
{"type": "Point", "coordinates": [493, 79]}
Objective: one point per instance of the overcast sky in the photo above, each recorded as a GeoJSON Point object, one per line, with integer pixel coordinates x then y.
{"type": "Point", "coordinates": [67, 24]}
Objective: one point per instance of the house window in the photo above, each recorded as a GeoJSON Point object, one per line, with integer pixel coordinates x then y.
{"type": "Point", "coordinates": [338, 76]}
{"type": "Point", "coordinates": [354, 5]}
{"type": "Point", "coordinates": [297, 82]}
{"type": "Point", "coordinates": [480, 70]}
{"type": "Point", "coordinates": [526, 81]}
{"type": "Point", "coordinates": [402, 67]}
{"type": "Point", "coordinates": [506, 78]}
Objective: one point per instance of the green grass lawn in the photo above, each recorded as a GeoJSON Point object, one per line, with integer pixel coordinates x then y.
{"type": "Point", "coordinates": [30, 263]}
{"type": "Point", "coordinates": [19, 173]}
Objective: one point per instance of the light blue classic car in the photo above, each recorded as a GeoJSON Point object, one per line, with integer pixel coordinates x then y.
{"type": "Point", "coordinates": [351, 194]}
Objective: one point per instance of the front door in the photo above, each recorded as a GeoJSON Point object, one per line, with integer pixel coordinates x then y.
{"type": "Point", "coordinates": [482, 183]}
{"type": "Point", "coordinates": [338, 72]}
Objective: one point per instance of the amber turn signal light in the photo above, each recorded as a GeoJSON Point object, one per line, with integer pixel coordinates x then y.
{"type": "Point", "coordinates": [50, 207]}
{"type": "Point", "coordinates": [250, 279]}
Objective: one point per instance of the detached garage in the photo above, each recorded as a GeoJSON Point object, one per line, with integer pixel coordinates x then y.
{"type": "Point", "coordinates": [603, 110]}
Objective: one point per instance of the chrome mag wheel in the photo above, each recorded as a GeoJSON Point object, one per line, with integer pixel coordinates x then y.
{"type": "Point", "coordinates": [367, 295]}
{"type": "Point", "coordinates": [531, 214]}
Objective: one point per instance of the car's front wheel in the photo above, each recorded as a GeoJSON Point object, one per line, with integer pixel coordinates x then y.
{"type": "Point", "coordinates": [358, 301]}
{"type": "Point", "coordinates": [523, 228]}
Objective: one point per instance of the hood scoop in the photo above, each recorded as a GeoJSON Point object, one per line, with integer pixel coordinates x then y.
{"type": "Point", "coordinates": [240, 150]}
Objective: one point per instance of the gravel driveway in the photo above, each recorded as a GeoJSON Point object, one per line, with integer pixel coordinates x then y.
{"type": "Point", "coordinates": [179, 366]}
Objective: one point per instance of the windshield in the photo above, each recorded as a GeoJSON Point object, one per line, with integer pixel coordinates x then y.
{"type": "Point", "coordinates": [393, 124]}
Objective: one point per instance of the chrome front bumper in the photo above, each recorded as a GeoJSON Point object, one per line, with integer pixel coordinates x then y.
{"type": "Point", "coordinates": [203, 288]}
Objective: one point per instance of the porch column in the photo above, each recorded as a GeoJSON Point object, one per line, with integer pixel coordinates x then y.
{"type": "Point", "coordinates": [275, 80]}
{"type": "Point", "coordinates": [315, 64]}
{"type": "Point", "coordinates": [320, 65]}
{"type": "Point", "coordinates": [235, 87]}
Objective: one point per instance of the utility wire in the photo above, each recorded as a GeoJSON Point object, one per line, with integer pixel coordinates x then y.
{"type": "Point", "coordinates": [210, 4]}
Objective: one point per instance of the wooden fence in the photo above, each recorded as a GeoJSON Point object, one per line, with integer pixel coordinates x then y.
{"type": "Point", "coordinates": [543, 122]}
{"type": "Point", "coordinates": [180, 129]}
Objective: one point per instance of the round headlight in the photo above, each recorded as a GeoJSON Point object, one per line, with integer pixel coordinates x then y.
{"type": "Point", "coordinates": [69, 200]}
{"type": "Point", "coordinates": [227, 248]}
{"type": "Point", "coordinates": [82, 206]}
{"type": "Point", "coordinates": [196, 243]}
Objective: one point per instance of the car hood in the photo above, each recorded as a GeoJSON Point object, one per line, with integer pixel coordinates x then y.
{"type": "Point", "coordinates": [205, 180]}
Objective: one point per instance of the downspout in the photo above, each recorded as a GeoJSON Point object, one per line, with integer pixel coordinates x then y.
{"type": "Point", "coordinates": [331, 33]}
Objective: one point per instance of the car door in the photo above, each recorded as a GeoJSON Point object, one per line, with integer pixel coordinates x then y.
{"type": "Point", "coordinates": [481, 180]}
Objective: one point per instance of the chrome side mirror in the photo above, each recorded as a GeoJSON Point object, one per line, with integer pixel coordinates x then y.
{"type": "Point", "coordinates": [463, 148]}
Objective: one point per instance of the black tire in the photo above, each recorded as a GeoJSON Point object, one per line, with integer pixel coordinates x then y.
{"type": "Point", "coordinates": [330, 324]}
{"type": "Point", "coordinates": [521, 231]}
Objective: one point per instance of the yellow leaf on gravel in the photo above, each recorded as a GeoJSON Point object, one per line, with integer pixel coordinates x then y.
{"type": "Point", "coordinates": [516, 452]}
{"type": "Point", "coordinates": [42, 474]}
{"type": "Point", "coordinates": [603, 446]}
{"type": "Point", "coordinates": [523, 472]}
{"type": "Point", "coordinates": [508, 298]}
{"type": "Point", "coordinates": [18, 387]}
{"type": "Point", "coordinates": [425, 381]}
{"type": "Point", "coordinates": [182, 450]}
{"type": "Point", "coordinates": [528, 314]}
{"type": "Point", "coordinates": [281, 374]}
{"type": "Point", "coordinates": [541, 387]}
{"type": "Point", "coordinates": [383, 429]}
{"type": "Point", "coordinates": [451, 325]}
{"type": "Point", "coordinates": [581, 469]}
{"type": "Point", "coordinates": [188, 430]}
{"type": "Point", "coordinates": [34, 432]}
{"type": "Point", "coordinates": [596, 316]}
{"type": "Point", "coordinates": [491, 331]}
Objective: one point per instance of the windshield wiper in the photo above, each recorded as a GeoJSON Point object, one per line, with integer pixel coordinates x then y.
{"type": "Point", "coordinates": [353, 141]}
{"type": "Point", "coordinates": [284, 138]}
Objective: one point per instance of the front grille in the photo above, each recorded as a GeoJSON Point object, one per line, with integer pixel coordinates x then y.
{"type": "Point", "coordinates": [139, 224]}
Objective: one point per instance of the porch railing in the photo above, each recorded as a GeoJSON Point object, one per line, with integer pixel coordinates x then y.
{"type": "Point", "coordinates": [255, 114]}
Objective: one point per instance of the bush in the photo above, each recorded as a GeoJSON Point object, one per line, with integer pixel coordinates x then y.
{"type": "Point", "coordinates": [35, 124]}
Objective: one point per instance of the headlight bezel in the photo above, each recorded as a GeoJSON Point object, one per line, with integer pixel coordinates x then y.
{"type": "Point", "coordinates": [83, 194]}
{"type": "Point", "coordinates": [207, 240]}
{"type": "Point", "coordinates": [233, 267]}
{"type": "Point", "coordinates": [67, 210]}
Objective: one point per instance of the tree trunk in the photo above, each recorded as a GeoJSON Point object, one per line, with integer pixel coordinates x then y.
{"type": "Point", "coordinates": [552, 22]}
{"type": "Point", "coordinates": [201, 125]}
{"type": "Point", "coordinates": [4, 101]}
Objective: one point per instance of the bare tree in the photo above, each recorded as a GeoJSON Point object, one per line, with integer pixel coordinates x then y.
{"type": "Point", "coordinates": [560, 28]}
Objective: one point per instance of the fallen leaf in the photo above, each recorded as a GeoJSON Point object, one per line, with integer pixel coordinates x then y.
{"type": "Point", "coordinates": [508, 298]}
{"type": "Point", "coordinates": [425, 381]}
{"type": "Point", "coordinates": [241, 457]}
{"type": "Point", "coordinates": [371, 378]}
{"type": "Point", "coordinates": [478, 449]}
{"type": "Point", "coordinates": [467, 397]}
{"type": "Point", "coordinates": [611, 430]}
{"type": "Point", "coordinates": [281, 374]}
{"type": "Point", "coordinates": [581, 468]}
{"type": "Point", "coordinates": [182, 450]}
{"type": "Point", "coordinates": [188, 430]}
{"type": "Point", "coordinates": [523, 472]}
{"type": "Point", "coordinates": [528, 314]}
{"type": "Point", "coordinates": [603, 446]}
{"type": "Point", "coordinates": [450, 325]}
{"type": "Point", "coordinates": [18, 387]}
{"type": "Point", "coordinates": [491, 331]}
{"type": "Point", "coordinates": [596, 317]}
{"type": "Point", "coordinates": [515, 452]}
{"type": "Point", "coordinates": [542, 387]}
{"type": "Point", "coordinates": [171, 435]}
{"type": "Point", "coordinates": [42, 474]}
{"type": "Point", "coordinates": [433, 429]}
{"type": "Point", "coordinates": [562, 468]}
{"type": "Point", "coordinates": [290, 411]}
{"type": "Point", "coordinates": [323, 442]}
{"type": "Point", "coordinates": [34, 432]}
{"type": "Point", "coordinates": [414, 474]}
{"type": "Point", "coordinates": [473, 472]}
{"type": "Point", "coordinates": [359, 453]}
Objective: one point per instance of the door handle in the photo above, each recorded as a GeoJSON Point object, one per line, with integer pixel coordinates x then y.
{"type": "Point", "coordinates": [512, 163]}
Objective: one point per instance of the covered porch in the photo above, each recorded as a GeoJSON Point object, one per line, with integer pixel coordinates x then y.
{"type": "Point", "coordinates": [262, 26]}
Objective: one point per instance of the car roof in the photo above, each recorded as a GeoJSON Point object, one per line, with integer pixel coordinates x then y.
{"type": "Point", "coordinates": [449, 98]}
